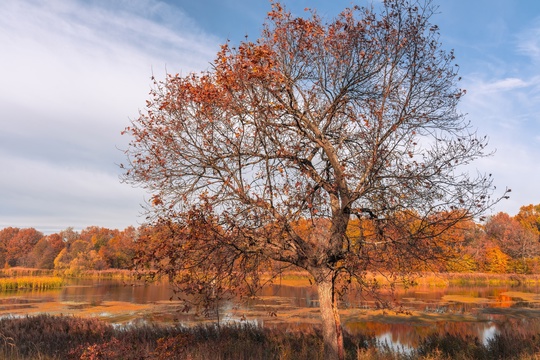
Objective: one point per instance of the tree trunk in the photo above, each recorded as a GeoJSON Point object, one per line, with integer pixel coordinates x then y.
{"type": "Point", "coordinates": [331, 323]}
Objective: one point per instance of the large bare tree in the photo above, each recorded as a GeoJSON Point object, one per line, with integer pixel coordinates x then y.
{"type": "Point", "coordinates": [317, 123]}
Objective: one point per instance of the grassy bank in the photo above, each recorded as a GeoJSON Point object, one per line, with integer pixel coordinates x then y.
{"type": "Point", "coordinates": [299, 278]}
{"type": "Point", "coordinates": [116, 274]}
{"type": "Point", "coordinates": [47, 337]}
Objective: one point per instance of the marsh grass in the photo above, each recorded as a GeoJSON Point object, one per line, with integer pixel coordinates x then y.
{"type": "Point", "coordinates": [25, 272]}
{"type": "Point", "coordinates": [490, 279]}
{"type": "Point", "coordinates": [49, 337]}
{"type": "Point", "coordinates": [112, 274]}
{"type": "Point", "coordinates": [300, 278]}
{"type": "Point", "coordinates": [31, 283]}
{"type": "Point", "coordinates": [116, 274]}
{"type": "Point", "coordinates": [430, 279]}
{"type": "Point", "coordinates": [462, 279]}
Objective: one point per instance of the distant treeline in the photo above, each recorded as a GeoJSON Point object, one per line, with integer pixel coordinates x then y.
{"type": "Point", "coordinates": [502, 244]}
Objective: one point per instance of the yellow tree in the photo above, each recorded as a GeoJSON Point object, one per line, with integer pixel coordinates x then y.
{"type": "Point", "coordinates": [354, 118]}
{"type": "Point", "coordinates": [529, 218]}
{"type": "Point", "coordinates": [516, 236]}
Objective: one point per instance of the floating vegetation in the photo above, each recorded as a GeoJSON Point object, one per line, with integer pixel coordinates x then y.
{"type": "Point", "coordinates": [525, 296]}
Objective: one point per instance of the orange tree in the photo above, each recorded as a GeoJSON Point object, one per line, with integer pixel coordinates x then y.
{"type": "Point", "coordinates": [516, 236]}
{"type": "Point", "coordinates": [351, 118]}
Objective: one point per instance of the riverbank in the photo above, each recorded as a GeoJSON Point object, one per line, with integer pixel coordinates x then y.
{"type": "Point", "coordinates": [117, 274]}
{"type": "Point", "coordinates": [49, 337]}
{"type": "Point", "coordinates": [295, 278]}
{"type": "Point", "coordinates": [300, 278]}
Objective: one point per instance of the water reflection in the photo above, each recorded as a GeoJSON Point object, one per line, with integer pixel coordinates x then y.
{"type": "Point", "coordinates": [474, 311]}
{"type": "Point", "coordinates": [389, 340]}
{"type": "Point", "coordinates": [83, 290]}
{"type": "Point", "coordinates": [406, 336]}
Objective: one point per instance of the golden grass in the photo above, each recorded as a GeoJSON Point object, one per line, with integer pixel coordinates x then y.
{"type": "Point", "coordinates": [439, 280]}
{"type": "Point", "coordinates": [31, 282]}
{"type": "Point", "coordinates": [489, 279]}
{"type": "Point", "coordinates": [22, 271]}
{"type": "Point", "coordinates": [446, 279]}
{"type": "Point", "coordinates": [116, 274]}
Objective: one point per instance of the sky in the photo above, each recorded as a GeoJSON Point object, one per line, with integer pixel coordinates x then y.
{"type": "Point", "coordinates": [73, 73]}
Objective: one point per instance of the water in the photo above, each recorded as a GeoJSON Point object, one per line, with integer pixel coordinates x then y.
{"type": "Point", "coordinates": [477, 311]}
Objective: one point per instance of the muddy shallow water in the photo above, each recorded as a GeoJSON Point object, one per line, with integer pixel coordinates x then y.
{"type": "Point", "coordinates": [475, 310]}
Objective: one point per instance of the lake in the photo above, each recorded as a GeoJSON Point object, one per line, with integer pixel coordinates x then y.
{"type": "Point", "coordinates": [479, 311]}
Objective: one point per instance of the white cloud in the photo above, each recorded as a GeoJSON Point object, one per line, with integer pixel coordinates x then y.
{"type": "Point", "coordinates": [505, 109]}
{"type": "Point", "coordinates": [73, 73]}
{"type": "Point", "coordinates": [503, 85]}
{"type": "Point", "coordinates": [64, 195]}
{"type": "Point", "coordinates": [529, 42]}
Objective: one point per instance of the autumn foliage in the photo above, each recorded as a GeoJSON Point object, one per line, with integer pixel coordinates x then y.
{"type": "Point", "coordinates": [335, 147]}
{"type": "Point", "coordinates": [500, 244]}
{"type": "Point", "coordinates": [329, 122]}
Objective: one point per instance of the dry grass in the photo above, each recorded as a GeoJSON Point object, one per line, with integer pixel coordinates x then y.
{"type": "Point", "coordinates": [116, 274]}
{"type": "Point", "coordinates": [53, 338]}
{"type": "Point", "coordinates": [33, 283]}
{"type": "Point", "coordinates": [21, 271]}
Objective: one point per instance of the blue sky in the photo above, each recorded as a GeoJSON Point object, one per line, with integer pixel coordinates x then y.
{"type": "Point", "coordinates": [74, 72]}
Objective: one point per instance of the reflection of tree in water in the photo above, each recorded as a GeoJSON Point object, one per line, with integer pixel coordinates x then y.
{"type": "Point", "coordinates": [396, 334]}
{"type": "Point", "coordinates": [409, 336]}
{"type": "Point", "coordinates": [404, 330]}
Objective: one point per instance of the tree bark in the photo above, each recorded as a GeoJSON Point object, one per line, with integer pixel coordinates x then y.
{"type": "Point", "coordinates": [331, 322]}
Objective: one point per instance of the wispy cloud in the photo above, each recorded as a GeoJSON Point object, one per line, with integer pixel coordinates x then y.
{"type": "Point", "coordinates": [73, 73]}
{"type": "Point", "coordinates": [508, 111]}
{"type": "Point", "coordinates": [529, 42]}
{"type": "Point", "coordinates": [503, 85]}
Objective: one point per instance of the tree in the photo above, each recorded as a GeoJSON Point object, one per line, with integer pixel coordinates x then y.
{"type": "Point", "coordinates": [78, 257]}
{"type": "Point", "coordinates": [6, 235]}
{"type": "Point", "coordinates": [351, 119]}
{"type": "Point", "coordinates": [19, 247]}
{"type": "Point", "coordinates": [69, 236]}
{"type": "Point", "coordinates": [529, 218]}
{"type": "Point", "coordinates": [515, 238]}
{"type": "Point", "coordinates": [98, 236]}
{"type": "Point", "coordinates": [46, 250]}
{"type": "Point", "coordinates": [496, 260]}
{"type": "Point", "coordinates": [119, 251]}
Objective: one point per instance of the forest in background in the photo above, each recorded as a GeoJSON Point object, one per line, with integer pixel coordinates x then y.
{"type": "Point", "coordinates": [501, 244]}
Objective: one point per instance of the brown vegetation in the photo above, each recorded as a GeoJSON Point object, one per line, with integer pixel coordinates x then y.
{"type": "Point", "coordinates": [62, 338]}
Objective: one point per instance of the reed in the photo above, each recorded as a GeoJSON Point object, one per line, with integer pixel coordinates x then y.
{"type": "Point", "coordinates": [31, 283]}
{"type": "Point", "coordinates": [116, 274]}
{"type": "Point", "coordinates": [21, 271]}
{"type": "Point", "coordinates": [445, 279]}
{"type": "Point", "coordinates": [490, 279]}
{"type": "Point", "coordinates": [66, 337]}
